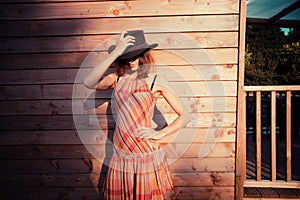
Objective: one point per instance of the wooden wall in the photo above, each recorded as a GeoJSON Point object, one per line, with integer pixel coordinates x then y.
{"type": "Point", "coordinates": [43, 44]}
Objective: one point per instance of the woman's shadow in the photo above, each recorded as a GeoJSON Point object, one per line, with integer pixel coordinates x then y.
{"type": "Point", "coordinates": [100, 103]}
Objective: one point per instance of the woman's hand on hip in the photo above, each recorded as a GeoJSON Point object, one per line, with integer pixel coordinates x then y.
{"type": "Point", "coordinates": [147, 133]}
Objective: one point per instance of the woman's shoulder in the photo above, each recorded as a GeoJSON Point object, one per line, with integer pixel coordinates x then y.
{"type": "Point", "coordinates": [107, 82]}
{"type": "Point", "coordinates": [112, 75]}
{"type": "Point", "coordinates": [158, 82]}
{"type": "Point", "coordinates": [157, 77]}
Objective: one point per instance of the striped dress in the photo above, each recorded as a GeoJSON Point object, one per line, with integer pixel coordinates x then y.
{"type": "Point", "coordinates": [138, 168]}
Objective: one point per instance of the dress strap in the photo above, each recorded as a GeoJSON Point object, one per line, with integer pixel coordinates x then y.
{"type": "Point", "coordinates": [152, 84]}
{"type": "Point", "coordinates": [118, 78]}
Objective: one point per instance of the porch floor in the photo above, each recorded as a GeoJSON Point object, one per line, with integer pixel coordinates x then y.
{"type": "Point", "coordinates": [267, 193]}
{"type": "Point", "coordinates": [272, 193]}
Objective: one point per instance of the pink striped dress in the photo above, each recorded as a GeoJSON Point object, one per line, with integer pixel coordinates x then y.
{"type": "Point", "coordinates": [138, 168]}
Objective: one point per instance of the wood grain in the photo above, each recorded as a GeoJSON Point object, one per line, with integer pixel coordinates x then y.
{"type": "Point", "coordinates": [171, 73]}
{"type": "Point", "coordinates": [53, 137]}
{"type": "Point", "coordinates": [173, 151]}
{"type": "Point", "coordinates": [85, 165]}
{"type": "Point", "coordinates": [200, 193]}
{"type": "Point", "coordinates": [64, 107]}
{"type": "Point", "coordinates": [115, 9]}
{"type": "Point", "coordinates": [222, 56]}
{"type": "Point", "coordinates": [201, 179]}
{"type": "Point", "coordinates": [102, 42]}
{"type": "Point", "coordinates": [91, 122]}
{"type": "Point", "coordinates": [46, 43]}
{"type": "Point", "coordinates": [115, 25]}
{"type": "Point", "coordinates": [65, 91]}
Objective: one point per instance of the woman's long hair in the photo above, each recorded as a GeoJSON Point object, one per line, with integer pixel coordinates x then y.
{"type": "Point", "coordinates": [146, 63]}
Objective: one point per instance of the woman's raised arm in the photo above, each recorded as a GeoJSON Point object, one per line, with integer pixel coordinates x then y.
{"type": "Point", "coordinates": [92, 80]}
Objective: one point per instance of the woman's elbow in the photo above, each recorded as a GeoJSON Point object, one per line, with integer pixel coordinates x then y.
{"type": "Point", "coordinates": [87, 84]}
{"type": "Point", "coordinates": [185, 118]}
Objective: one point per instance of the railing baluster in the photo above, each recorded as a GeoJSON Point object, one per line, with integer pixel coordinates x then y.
{"type": "Point", "coordinates": [244, 138]}
{"type": "Point", "coordinates": [288, 183]}
{"type": "Point", "coordinates": [258, 136]}
{"type": "Point", "coordinates": [273, 136]}
{"type": "Point", "coordinates": [288, 137]}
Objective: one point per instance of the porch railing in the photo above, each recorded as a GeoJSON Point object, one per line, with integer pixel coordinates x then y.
{"type": "Point", "coordinates": [272, 91]}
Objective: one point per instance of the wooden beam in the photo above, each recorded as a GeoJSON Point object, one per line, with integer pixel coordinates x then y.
{"type": "Point", "coordinates": [272, 87]}
{"type": "Point", "coordinates": [276, 184]}
{"type": "Point", "coordinates": [281, 23]}
{"type": "Point", "coordinates": [284, 12]}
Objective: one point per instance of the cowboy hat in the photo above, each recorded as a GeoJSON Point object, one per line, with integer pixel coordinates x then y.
{"type": "Point", "coordinates": [140, 45]}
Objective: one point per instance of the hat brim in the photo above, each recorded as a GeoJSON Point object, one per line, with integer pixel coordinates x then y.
{"type": "Point", "coordinates": [134, 51]}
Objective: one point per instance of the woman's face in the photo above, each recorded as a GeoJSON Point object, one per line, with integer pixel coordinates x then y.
{"type": "Point", "coordinates": [134, 65]}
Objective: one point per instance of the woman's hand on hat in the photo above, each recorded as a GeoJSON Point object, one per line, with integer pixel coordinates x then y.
{"type": "Point", "coordinates": [147, 133]}
{"type": "Point", "coordinates": [124, 42]}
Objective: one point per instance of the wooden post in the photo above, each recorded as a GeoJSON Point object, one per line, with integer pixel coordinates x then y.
{"type": "Point", "coordinates": [273, 135]}
{"type": "Point", "coordinates": [241, 112]}
{"type": "Point", "coordinates": [258, 136]}
{"type": "Point", "coordinates": [288, 137]}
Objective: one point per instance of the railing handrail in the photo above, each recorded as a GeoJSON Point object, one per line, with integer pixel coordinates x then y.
{"type": "Point", "coordinates": [272, 88]}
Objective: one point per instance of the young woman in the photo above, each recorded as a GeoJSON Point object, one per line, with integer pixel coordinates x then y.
{"type": "Point", "coordinates": [138, 168]}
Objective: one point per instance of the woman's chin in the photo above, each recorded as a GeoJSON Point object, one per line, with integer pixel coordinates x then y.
{"type": "Point", "coordinates": [134, 68]}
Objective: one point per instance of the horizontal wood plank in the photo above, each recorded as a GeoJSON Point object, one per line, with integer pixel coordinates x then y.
{"type": "Point", "coordinates": [86, 165]}
{"type": "Point", "coordinates": [212, 57]}
{"type": "Point", "coordinates": [203, 179]}
{"type": "Point", "coordinates": [219, 120]}
{"type": "Point", "coordinates": [195, 135]}
{"type": "Point", "coordinates": [210, 150]}
{"type": "Point", "coordinates": [47, 1]}
{"type": "Point", "coordinates": [195, 105]}
{"type": "Point", "coordinates": [65, 91]}
{"type": "Point", "coordinates": [203, 164]}
{"type": "Point", "coordinates": [102, 42]}
{"type": "Point", "coordinates": [173, 151]}
{"type": "Point", "coordinates": [42, 61]}
{"type": "Point", "coordinates": [115, 25]}
{"type": "Point", "coordinates": [115, 9]}
{"type": "Point", "coordinates": [171, 73]}
{"type": "Point", "coordinates": [273, 88]}
{"type": "Point", "coordinates": [42, 192]}
{"type": "Point", "coordinates": [92, 122]}
{"type": "Point", "coordinates": [202, 193]}
{"type": "Point", "coordinates": [103, 106]}
{"type": "Point", "coordinates": [199, 193]}
{"type": "Point", "coordinates": [41, 122]}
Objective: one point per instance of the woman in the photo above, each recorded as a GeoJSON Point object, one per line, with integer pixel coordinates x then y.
{"type": "Point", "coordinates": [138, 169]}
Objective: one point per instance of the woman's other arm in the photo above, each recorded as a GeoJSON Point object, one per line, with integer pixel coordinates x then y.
{"type": "Point", "coordinates": [182, 119]}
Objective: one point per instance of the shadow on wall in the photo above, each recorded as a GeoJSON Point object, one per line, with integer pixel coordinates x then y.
{"type": "Point", "coordinates": [42, 48]}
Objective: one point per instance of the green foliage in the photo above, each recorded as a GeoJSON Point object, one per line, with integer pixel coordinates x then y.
{"type": "Point", "coordinates": [271, 58]}
{"type": "Point", "coordinates": [289, 63]}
